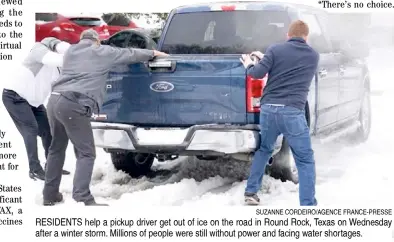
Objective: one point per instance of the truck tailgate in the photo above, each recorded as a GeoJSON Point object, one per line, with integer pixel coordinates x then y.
{"type": "Point", "coordinates": [180, 90]}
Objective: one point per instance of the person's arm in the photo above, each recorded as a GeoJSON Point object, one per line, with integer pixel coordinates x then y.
{"type": "Point", "coordinates": [122, 56]}
{"type": "Point", "coordinates": [40, 53]}
{"type": "Point", "coordinates": [53, 59]}
{"type": "Point", "coordinates": [62, 47]}
{"type": "Point", "coordinates": [260, 69]}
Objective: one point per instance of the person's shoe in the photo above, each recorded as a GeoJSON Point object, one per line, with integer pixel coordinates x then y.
{"type": "Point", "coordinates": [252, 199]}
{"type": "Point", "coordinates": [64, 172]}
{"type": "Point", "coordinates": [50, 202]}
{"type": "Point", "coordinates": [93, 203]}
{"type": "Point", "coordinates": [39, 174]}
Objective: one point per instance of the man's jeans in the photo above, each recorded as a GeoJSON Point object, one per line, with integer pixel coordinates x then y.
{"type": "Point", "coordinates": [291, 122]}
{"type": "Point", "coordinates": [30, 122]}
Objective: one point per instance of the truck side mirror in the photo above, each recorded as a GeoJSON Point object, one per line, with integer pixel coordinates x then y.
{"type": "Point", "coordinates": [355, 50]}
{"type": "Point", "coordinates": [336, 45]}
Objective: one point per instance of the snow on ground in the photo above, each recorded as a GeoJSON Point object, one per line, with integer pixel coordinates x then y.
{"type": "Point", "coordinates": [358, 175]}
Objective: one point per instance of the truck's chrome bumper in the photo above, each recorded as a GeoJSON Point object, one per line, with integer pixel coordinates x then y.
{"type": "Point", "coordinates": [216, 138]}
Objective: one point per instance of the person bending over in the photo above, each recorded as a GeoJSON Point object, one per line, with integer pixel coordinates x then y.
{"type": "Point", "coordinates": [76, 95]}
{"type": "Point", "coordinates": [25, 93]}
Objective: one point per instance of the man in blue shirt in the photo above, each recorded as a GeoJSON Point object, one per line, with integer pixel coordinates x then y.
{"type": "Point", "coordinates": [291, 67]}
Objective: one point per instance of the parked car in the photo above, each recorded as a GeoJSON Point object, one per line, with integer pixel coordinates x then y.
{"type": "Point", "coordinates": [199, 102]}
{"type": "Point", "coordinates": [117, 22]}
{"type": "Point", "coordinates": [67, 28]}
{"type": "Point", "coordinates": [134, 38]}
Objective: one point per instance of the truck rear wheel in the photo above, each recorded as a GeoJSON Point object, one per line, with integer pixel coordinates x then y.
{"type": "Point", "coordinates": [134, 164]}
{"type": "Point", "coordinates": [283, 165]}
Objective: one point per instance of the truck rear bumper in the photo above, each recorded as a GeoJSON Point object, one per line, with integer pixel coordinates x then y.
{"type": "Point", "coordinates": [221, 139]}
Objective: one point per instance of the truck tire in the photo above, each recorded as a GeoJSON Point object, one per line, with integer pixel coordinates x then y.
{"type": "Point", "coordinates": [365, 115]}
{"type": "Point", "coordinates": [134, 164]}
{"type": "Point", "coordinates": [283, 165]}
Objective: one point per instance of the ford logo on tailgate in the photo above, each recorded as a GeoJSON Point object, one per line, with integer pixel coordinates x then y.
{"type": "Point", "coordinates": [161, 86]}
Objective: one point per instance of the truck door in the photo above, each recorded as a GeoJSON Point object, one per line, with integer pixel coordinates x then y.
{"type": "Point", "coordinates": [351, 78]}
{"type": "Point", "coordinates": [328, 74]}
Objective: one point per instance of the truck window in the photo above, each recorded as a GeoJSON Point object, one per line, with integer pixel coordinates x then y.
{"type": "Point", "coordinates": [136, 41]}
{"type": "Point", "coordinates": [316, 36]}
{"type": "Point", "coordinates": [234, 32]}
{"type": "Point", "coordinates": [119, 39]}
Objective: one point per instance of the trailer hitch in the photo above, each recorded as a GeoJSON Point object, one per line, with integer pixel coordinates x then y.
{"type": "Point", "coordinates": [162, 157]}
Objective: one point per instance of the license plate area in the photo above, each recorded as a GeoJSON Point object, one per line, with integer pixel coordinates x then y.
{"type": "Point", "coordinates": [160, 136]}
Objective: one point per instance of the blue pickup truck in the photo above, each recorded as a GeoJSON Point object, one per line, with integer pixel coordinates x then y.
{"type": "Point", "coordinates": [199, 101]}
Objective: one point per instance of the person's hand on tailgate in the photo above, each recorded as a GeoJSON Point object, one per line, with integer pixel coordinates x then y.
{"type": "Point", "coordinates": [246, 61]}
{"type": "Point", "coordinates": [258, 54]}
{"type": "Point", "coordinates": [159, 54]}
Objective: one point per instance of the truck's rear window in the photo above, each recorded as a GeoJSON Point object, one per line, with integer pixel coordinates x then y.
{"type": "Point", "coordinates": [235, 32]}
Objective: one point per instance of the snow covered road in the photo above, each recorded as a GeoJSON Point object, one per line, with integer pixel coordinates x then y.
{"type": "Point", "coordinates": [347, 175]}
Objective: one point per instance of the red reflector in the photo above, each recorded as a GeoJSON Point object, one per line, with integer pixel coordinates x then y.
{"type": "Point", "coordinates": [228, 8]}
{"type": "Point", "coordinates": [254, 91]}
{"type": "Point", "coordinates": [67, 26]}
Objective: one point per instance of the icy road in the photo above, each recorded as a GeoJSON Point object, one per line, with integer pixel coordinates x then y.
{"type": "Point", "coordinates": [347, 175]}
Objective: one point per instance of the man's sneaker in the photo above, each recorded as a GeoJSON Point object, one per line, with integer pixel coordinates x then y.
{"type": "Point", "coordinates": [50, 202]}
{"type": "Point", "coordinates": [252, 199]}
{"type": "Point", "coordinates": [39, 174]}
{"type": "Point", "coordinates": [93, 203]}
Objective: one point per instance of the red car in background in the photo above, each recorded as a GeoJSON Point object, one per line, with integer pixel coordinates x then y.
{"type": "Point", "coordinates": [68, 28]}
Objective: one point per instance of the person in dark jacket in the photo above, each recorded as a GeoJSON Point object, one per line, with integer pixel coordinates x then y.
{"type": "Point", "coordinates": [76, 95]}
{"type": "Point", "coordinates": [291, 67]}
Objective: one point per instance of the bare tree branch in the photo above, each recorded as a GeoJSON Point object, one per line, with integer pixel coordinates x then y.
{"type": "Point", "coordinates": [122, 18]}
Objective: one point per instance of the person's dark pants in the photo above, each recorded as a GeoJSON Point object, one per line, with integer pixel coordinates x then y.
{"type": "Point", "coordinates": [31, 122]}
{"type": "Point", "coordinates": [291, 122]}
{"type": "Point", "coordinates": [69, 120]}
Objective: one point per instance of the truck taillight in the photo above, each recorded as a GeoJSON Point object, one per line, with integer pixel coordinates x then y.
{"type": "Point", "coordinates": [254, 92]}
